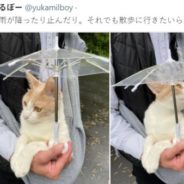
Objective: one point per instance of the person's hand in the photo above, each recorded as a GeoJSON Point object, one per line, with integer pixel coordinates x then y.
{"type": "Point", "coordinates": [50, 163]}
{"type": "Point", "coordinates": [173, 158]}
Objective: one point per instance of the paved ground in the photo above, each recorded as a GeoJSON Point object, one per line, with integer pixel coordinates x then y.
{"type": "Point", "coordinates": [94, 91]}
{"type": "Point", "coordinates": [121, 170]}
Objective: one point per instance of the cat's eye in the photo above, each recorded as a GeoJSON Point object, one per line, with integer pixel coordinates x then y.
{"type": "Point", "coordinates": [25, 103]}
{"type": "Point", "coordinates": [37, 109]}
{"type": "Point", "coordinates": [179, 85]}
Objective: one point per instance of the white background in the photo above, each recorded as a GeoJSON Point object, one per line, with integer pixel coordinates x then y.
{"type": "Point", "coordinates": [86, 8]}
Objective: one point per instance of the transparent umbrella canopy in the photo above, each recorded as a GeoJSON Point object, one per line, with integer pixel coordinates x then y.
{"type": "Point", "coordinates": [170, 73]}
{"type": "Point", "coordinates": [56, 60]}
{"type": "Point", "coordinates": [75, 63]}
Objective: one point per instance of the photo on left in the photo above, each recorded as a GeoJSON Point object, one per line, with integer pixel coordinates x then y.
{"type": "Point", "coordinates": [54, 90]}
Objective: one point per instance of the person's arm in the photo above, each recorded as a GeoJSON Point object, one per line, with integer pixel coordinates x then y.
{"type": "Point", "coordinates": [123, 136]}
{"type": "Point", "coordinates": [7, 141]}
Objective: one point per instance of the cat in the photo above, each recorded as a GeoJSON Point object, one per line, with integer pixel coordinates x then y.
{"type": "Point", "coordinates": [160, 124]}
{"type": "Point", "coordinates": [37, 118]}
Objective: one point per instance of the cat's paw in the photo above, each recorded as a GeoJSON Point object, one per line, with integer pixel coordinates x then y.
{"type": "Point", "coordinates": [149, 164]}
{"type": "Point", "coordinates": [65, 148]}
{"type": "Point", "coordinates": [151, 167]}
{"type": "Point", "coordinates": [175, 141]}
{"type": "Point", "coordinates": [51, 143]}
{"type": "Point", "coordinates": [19, 166]}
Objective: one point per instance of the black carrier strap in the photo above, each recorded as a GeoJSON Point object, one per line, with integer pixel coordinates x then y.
{"type": "Point", "coordinates": [61, 40]}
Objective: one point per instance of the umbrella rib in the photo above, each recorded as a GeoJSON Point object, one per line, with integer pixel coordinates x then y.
{"type": "Point", "coordinates": [77, 61]}
{"type": "Point", "coordinates": [107, 71]}
{"type": "Point", "coordinates": [17, 61]}
{"type": "Point", "coordinates": [23, 58]}
{"type": "Point", "coordinates": [16, 70]}
{"type": "Point", "coordinates": [73, 63]}
{"type": "Point", "coordinates": [36, 63]}
{"type": "Point", "coordinates": [71, 58]}
{"type": "Point", "coordinates": [140, 82]}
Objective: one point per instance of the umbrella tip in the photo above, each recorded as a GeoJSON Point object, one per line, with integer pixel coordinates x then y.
{"type": "Point", "coordinates": [126, 87]}
{"type": "Point", "coordinates": [12, 63]}
{"type": "Point", "coordinates": [135, 87]}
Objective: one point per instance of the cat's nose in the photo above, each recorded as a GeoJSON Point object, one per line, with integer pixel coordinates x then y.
{"type": "Point", "coordinates": [26, 117]}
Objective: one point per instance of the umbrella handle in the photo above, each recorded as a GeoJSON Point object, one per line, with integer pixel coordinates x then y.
{"type": "Point", "coordinates": [174, 103]}
{"type": "Point", "coordinates": [178, 134]}
{"type": "Point", "coordinates": [56, 132]}
{"type": "Point", "coordinates": [56, 98]}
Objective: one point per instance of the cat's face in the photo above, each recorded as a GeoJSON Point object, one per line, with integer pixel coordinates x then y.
{"type": "Point", "coordinates": [38, 102]}
{"type": "Point", "coordinates": [164, 94]}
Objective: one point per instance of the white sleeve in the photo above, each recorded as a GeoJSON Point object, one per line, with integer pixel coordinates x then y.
{"type": "Point", "coordinates": [7, 141]}
{"type": "Point", "coordinates": [123, 136]}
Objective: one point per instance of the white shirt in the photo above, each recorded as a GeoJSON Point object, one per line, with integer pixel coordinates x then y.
{"type": "Point", "coordinates": [7, 141]}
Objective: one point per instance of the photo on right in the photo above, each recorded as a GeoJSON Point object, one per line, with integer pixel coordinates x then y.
{"type": "Point", "coordinates": [146, 108]}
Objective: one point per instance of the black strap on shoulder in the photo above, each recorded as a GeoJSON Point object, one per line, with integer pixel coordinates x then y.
{"type": "Point", "coordinates": [61, 40]}
{"type": "Point", "coordinates": [173, 46]}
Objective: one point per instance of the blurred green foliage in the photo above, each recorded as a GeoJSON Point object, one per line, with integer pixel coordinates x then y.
{"type": "Point", "coordinates": [97, 43]}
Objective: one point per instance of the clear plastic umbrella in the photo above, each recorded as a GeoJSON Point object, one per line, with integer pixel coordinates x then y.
{"type": "Point", "coordinates": [169, 73]}
{"type": "Point", "coordinates": [55, 61]}
{"type": "Point", "coordinates": [79, 63]}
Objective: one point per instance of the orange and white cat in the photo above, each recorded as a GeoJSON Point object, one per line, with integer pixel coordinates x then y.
{"type": "Point", "coordinates": [37, 119]}
{"type": "Point", "coordinates": [160, 124]}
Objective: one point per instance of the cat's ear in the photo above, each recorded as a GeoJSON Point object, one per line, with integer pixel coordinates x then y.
{"type": "Point", "coordinates": [50, 87]}
{"type": "Point", "coordinates": [33, 81]}
{"type": "Point", "coordinates": [156, 88]}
